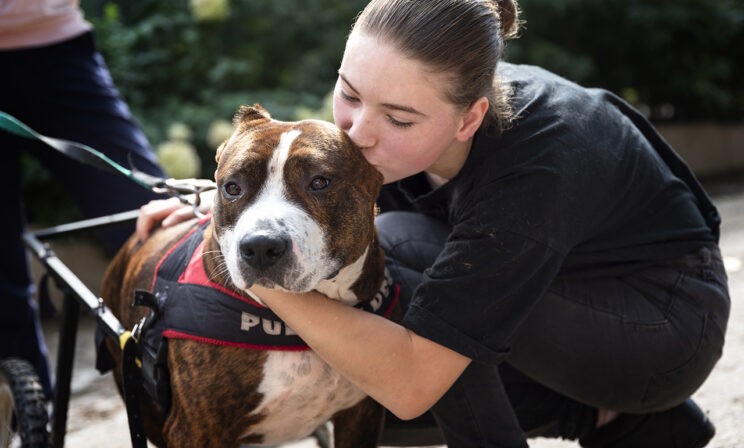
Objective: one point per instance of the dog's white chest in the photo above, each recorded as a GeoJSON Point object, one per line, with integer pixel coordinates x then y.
{"type": "Point", "coordinates": [300, 393]}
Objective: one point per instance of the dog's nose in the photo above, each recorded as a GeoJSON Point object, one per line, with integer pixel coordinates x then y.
{"type": "Point", "coordinates": [262, 251]}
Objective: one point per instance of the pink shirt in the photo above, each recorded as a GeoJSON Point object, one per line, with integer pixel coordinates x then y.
{"type": "Point", "coordinates": [33, 23]}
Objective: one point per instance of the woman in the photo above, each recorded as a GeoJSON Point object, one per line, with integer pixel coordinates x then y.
{"type": "Point", "coordinates": [558, 262]}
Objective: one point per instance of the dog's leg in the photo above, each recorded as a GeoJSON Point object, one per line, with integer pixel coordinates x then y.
{"type": "Point", "coordinates": [359, 426]}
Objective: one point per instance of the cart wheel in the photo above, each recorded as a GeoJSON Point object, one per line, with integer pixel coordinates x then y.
{"type": "Point", "coordinates": [23, 414]}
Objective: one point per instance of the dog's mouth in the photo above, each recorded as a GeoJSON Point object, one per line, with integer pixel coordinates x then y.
{"type": "Point", "coordinates": [289, 274]}
{"type": "Point", "coordinates": [285, 276]}
{"type": "Point", "coordinates": [288, 277]}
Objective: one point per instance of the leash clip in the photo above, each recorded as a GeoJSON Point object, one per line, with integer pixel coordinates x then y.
{"type": "Point", "coordinates": [181, 187]}
{"type": "Point", "coordinates": [186, 190]}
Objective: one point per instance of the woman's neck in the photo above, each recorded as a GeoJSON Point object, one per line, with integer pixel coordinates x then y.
{"type": "Point", "coordinates": [449, 164]}
{"type": "Point", "coordinates": [435, 181]}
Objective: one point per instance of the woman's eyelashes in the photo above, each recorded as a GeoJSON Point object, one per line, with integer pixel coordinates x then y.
{"type": "Point", "coordinates": [399, 124]}
{"type": "Point", "coordinates": [394, 121]}
{"type": "Point", "coordinates": [346, 97]}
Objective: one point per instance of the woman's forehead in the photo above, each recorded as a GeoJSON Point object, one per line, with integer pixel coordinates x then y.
{"type": "Point", "coordinates": [371, 64]}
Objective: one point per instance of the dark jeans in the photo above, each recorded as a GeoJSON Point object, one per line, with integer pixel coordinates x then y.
{"type": "Point", "coordinates": [65, 91]}
{"type": "Point", "coordinates": [636, 344]}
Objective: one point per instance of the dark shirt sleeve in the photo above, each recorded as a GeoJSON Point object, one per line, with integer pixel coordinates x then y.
{"type": "Point", "coordinates": [479, 291]}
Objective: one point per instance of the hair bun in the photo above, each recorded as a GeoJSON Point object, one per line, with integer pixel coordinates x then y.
{"type": "Point", "coordinates": [508, 17]}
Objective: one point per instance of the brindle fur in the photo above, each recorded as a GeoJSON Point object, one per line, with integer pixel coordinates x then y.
{"type": "Point", "coordinates": [215, 388]}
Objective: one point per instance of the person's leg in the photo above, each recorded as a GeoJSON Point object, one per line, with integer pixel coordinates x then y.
{"type": "Point", "coordinates": [63, 91]}
{"type": "Point", "coordinates": [645, 343]}
{"type": "Point", "coordinates": [475, 411]}
{"type": "Point", "coordinates": [575, 354]}
{"type": "Point", "coordinates": [654, 335]}
{"type": "Point", "coordinates": [466, 413]}
{"type": "Point", "coordinates": [20, 328]}
{"type": "Point", "coordinates": [75, 99]}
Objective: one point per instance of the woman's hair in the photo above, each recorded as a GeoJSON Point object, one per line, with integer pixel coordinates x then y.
{"type": "Point", "coordinates": [463, 39]}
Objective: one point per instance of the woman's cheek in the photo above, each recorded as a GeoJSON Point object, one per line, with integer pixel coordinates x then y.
{"type": "Point", "coordinates": [340, 114]}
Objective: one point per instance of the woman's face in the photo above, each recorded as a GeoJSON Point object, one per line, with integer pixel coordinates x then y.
{"type": "Point", "coordinates": [395, 111]}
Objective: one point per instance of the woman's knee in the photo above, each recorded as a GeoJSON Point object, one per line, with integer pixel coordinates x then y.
{"type": "Point", "coordinates": [411, 243]}
{"type": "Point", "coordinates": [412, 238]}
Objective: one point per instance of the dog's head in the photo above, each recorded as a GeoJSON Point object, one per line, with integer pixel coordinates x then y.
{"type": "Point", "coordinates": [295, 202]}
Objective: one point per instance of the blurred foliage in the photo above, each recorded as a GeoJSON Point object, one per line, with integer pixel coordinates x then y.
{"type": "Point", "coordinates": [193, 62]}
{"type": "Point", "coordinates": [675, 59]}
{"type": "Point", "coordinates": [196, 61]}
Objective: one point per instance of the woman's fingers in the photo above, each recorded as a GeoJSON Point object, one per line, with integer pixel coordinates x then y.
{"type": "Point", "coordinates": [166, 211]}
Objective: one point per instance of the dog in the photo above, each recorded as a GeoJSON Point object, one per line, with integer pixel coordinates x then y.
{"type": "Point", "coordinates": [294, 210]}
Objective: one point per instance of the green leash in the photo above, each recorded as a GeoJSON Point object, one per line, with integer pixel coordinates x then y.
{"type": "Point", "coordinates": [85, 154]}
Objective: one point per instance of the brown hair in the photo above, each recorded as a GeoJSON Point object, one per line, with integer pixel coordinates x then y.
{"type": "Point", "coordinates": [463, 39]}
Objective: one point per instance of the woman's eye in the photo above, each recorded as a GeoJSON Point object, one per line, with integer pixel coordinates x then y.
{"type": "Point", "coordinates": [232, 189]}
{"type": "Point", "coordinates": [347, 97]}
{"type": "Point", "coordinates": [399, 124]}
{"type": "Point", "coordinates": [319, 183]}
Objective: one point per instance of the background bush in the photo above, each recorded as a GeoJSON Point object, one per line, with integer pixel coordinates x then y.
{"type": "Point", "coordinates": [677, 59]}
{"type": "Point", "coordinates": [173, 64]}
{"type": "Point", "coordinates": [193, 62]}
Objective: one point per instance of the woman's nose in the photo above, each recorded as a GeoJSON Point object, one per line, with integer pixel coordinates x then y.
{"type": "Point", "coordinates": [361, 130]}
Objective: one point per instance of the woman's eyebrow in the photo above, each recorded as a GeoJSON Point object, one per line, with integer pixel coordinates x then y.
{"type": "Point", "coordinates": [392, 106]}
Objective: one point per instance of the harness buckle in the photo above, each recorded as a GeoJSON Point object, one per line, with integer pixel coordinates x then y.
{"type": "Point", "coordinates": [137, 329]}
{"type": "Point", "coordinates": [149, 300]}
{"type": "Point", "coordinates": [152, 350]}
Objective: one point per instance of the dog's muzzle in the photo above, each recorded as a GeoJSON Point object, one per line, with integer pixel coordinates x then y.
{"type": "Point", "coordinates": [261, 252]}
{"type": "Point", "coordinates": [290, 257]}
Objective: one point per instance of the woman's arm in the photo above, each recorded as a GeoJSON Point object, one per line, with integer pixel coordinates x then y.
{"type": "Point", "coordinates": [405, 372]}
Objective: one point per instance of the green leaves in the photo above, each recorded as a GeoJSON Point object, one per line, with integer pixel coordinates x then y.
{"type": "Point", "coordinates": [683, 54]}
{"type": "Point", "coordinates": [195, 61]}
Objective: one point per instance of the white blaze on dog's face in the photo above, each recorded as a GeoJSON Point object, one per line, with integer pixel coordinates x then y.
{"type": "Point", "coordinates": [287, 214]}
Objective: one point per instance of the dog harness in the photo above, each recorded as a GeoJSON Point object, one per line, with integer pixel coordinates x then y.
{"type": "Point", "coordinates": [186, 304]}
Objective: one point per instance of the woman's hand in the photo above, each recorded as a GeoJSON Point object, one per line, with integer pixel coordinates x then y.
{"type": "Point", "coordinates": [168, 212]}
{"type": "Point", "coordinates": [161, 211]}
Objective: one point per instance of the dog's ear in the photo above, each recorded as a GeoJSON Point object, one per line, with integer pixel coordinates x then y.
{"type": "Point", "coordinates": [248, 116]}
{"type": "Point", "coordinates": [218, 153]}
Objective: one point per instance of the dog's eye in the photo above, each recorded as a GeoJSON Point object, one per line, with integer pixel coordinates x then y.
{"type": "Point", "coordinates": [318, 183]}
{"type": "Point", "coordinates": [232, 189]}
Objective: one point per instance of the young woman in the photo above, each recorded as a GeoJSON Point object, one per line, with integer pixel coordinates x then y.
{"type": "Point", "coordinates": [558, 262]}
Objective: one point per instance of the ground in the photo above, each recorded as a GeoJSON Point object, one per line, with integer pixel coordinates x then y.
{"type": "Point", "coordinates": [97, 417]}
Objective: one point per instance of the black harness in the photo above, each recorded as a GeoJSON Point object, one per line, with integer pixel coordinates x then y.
{"type": "Point", "coordinates": [185, 304]}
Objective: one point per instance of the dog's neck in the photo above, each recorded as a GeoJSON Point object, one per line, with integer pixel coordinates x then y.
{"type": "Point", "coordinates": [339, 287]}
{"type": "Point", "coordinates": [359, 281]}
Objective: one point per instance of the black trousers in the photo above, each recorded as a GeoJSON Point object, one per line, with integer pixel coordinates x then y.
{"type": "Point", "coordinates": [639, 343]}
{"type": "Point", "coordinates": [64, 91]}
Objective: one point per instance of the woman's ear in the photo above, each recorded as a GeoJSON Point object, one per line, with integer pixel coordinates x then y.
{"type": "Point", "coordinates": [472, 119]}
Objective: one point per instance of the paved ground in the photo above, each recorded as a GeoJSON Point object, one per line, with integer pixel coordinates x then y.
{"type": "Point", "coordinates": [97, 415]}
